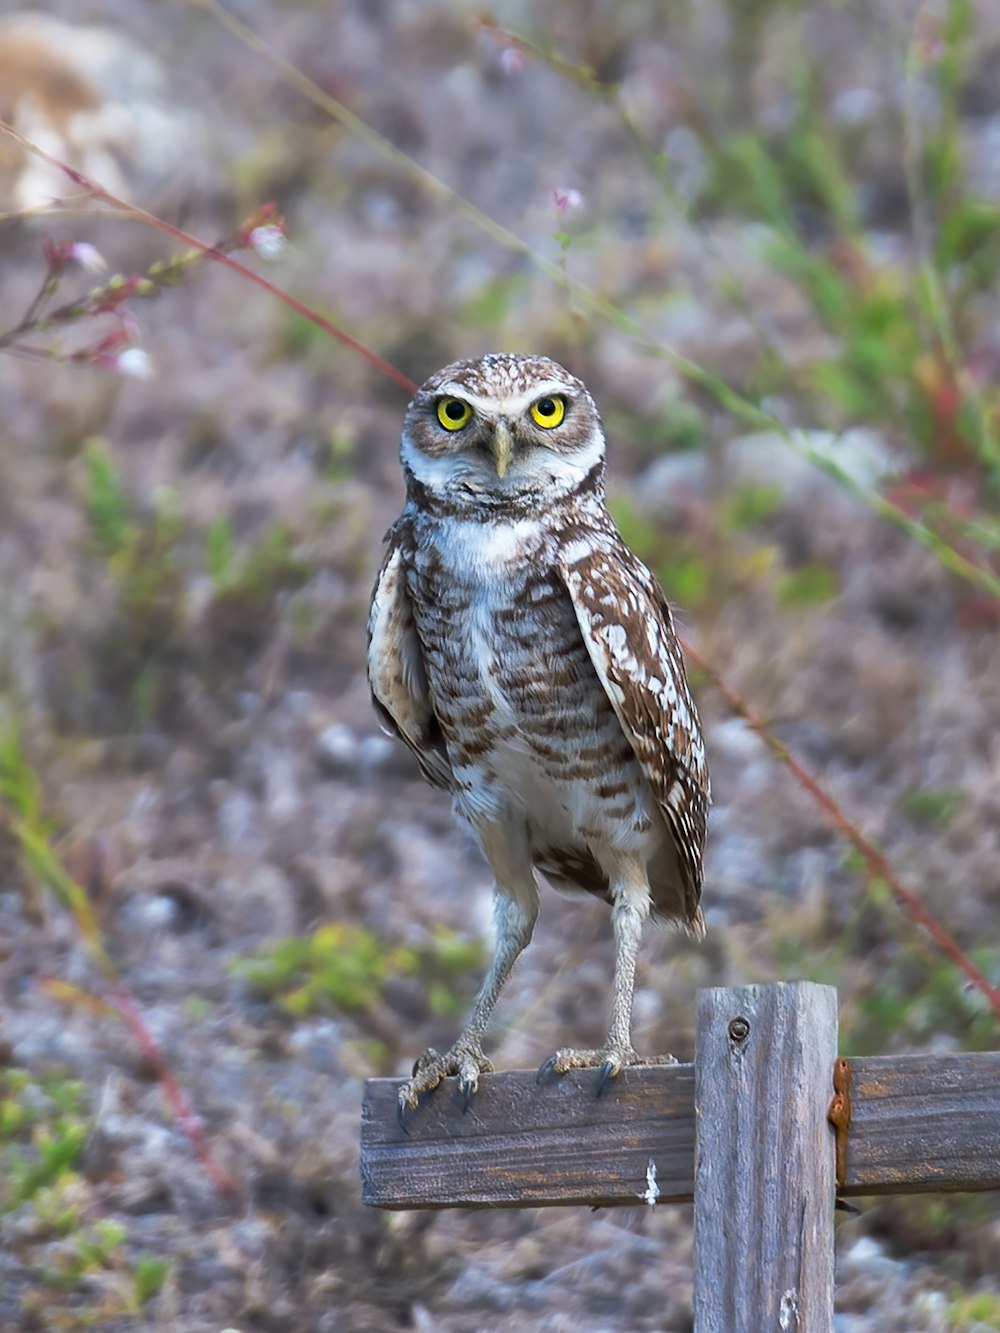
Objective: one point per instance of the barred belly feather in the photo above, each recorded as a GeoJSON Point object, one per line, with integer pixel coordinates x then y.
{"type": "Point", "coordinates": [532, 737]}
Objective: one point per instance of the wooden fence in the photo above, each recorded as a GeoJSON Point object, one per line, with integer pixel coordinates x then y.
{"type": "Point", "coordinates": [763, 1132]}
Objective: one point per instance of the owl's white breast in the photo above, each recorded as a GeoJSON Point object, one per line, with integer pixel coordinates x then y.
{"type": "Point", "coordinates": [498, 629]}
{"type": "Point", "coordinates": [487, 550]}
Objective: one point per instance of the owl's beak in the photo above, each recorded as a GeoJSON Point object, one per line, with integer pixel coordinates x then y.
{"type": "Point", "coordinates": [503, 448]}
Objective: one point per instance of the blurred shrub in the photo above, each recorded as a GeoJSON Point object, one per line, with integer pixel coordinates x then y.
{"type": "Point", "coordinates": [346, 967]}
{"type": "Point", "coordinates": [43, 1133]}
{"type": "Point", "coordinates": [246, 583]}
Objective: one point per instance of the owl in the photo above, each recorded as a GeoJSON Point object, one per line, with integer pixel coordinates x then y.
{"type": "Point", "coordinates": [528, 660]}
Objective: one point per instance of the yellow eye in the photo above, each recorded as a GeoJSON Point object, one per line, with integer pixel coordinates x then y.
{"type": "Point", "coordinates": [548, 412]}
{"type": "Point", "coordinates": [453, 414]}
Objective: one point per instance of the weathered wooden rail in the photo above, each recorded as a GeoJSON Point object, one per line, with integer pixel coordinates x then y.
{"type": "Point", "coordinates": [744, 1132]}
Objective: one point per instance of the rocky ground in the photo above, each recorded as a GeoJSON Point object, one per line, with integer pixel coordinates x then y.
{"type": "Point", "coordinates": [185, 562]}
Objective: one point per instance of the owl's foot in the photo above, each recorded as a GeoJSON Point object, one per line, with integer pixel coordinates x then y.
{"type": "Point", "coordinates": [466, 1059]}
{"type": "Point", "coordinates": [610, 1060]}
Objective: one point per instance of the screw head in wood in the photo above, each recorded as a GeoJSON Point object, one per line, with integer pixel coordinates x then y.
{"type": "Point", "coordinates": [739, 1029]}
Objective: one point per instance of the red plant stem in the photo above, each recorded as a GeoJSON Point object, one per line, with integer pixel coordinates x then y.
{"type": "Point", "coordinates": [873, 855]}
{"type": "Point", "coordinates": [96, 191]}
{"type": "Point", "coordinates": [181, 1106]}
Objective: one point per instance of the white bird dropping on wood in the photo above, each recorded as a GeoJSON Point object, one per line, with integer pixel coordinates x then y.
{"type": "Point", "coordinates": [652, 1190]}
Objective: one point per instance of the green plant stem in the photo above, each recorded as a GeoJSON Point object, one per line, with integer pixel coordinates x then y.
{"type": "Point", "coordinates": [751, 414]}
{"type": "Point", "coordinates": [986, 443]}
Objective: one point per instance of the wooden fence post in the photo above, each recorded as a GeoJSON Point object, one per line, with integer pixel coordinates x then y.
{"type": "Point", "coordinates": [743, 1131]}
{"type": "Point", "coordinates": [764, 1187]}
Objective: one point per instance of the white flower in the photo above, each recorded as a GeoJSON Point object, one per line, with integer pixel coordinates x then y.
{"type": "Point", "coordinates": [87, 256]}
{"type": "Point", "coordinates": [135, 362]}
{"type": "Point", "coordinates": [512, 60]}
{"type": "Point", "coordinates": [268, 241]}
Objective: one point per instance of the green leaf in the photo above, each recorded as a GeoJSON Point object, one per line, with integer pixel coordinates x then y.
{"type": "Point", "coordinates": [971, 227]}
{"type": "Point", "coordinates": [441, 1000]}
{"type": "Point", "coordinates": [219, 551]}
{"type": "Point", "coordinates": [148, 1278]}
{"type": "Point", "coordinates": [933, 806]}
{"type": "Point", "coordinates": [107, 504]}
{"type": "Point", "coordinates": [487, 307]}
{"type": "Point", "coordinates": [687, 581]}
{"type": "Point", "coordinates": [19, 785]}
{"type": "Point", "coordinates": [810, 585]}
{"type": "Point", "coordinates": [345, 966]}
{"type": "Point", "coordinates": [750, 505]}
{"type": "Point", "coordinates": [749, 159]}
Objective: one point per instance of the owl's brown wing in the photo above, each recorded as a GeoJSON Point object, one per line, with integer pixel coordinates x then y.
{"type": "Point", "coordinates": [627, 627]}
{"type": "Point", "coordinates": [396, 669]}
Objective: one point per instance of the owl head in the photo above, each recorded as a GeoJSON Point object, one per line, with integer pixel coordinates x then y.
{"type": "Point", "coordinates": [518, 431]}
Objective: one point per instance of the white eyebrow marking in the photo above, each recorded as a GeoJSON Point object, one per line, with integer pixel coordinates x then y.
{"type": "Point", "coordinates": [511, 405]}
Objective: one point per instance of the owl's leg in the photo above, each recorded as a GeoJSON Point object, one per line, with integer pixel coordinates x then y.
{"type": "Point", "coordinates": [629, 913]}
{"type": "Point", "coordinates": [515, 920]}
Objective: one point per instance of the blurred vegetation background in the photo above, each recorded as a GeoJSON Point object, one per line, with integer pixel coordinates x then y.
{"type": "Point", "coordinates": [767, 234]}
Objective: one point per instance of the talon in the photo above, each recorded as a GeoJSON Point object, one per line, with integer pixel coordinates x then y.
{"type": "Point", "coordinates": [607, 1072]}
{"type": "Point", "coordinates": [546, 1068]}
{"type": "Point", "coordinates": [401, 1110]}
{"type": "Point", "coordinates": [465, 1059]}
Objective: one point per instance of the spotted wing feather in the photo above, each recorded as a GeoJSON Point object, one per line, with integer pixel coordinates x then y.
{"type": "Point", "coordinates": [628, 630]}
{"type": "Point", "coordinates": [396, 671]}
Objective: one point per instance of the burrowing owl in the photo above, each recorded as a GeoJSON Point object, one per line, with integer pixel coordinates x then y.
{"type": "Point", "coordinates": [528, 660]}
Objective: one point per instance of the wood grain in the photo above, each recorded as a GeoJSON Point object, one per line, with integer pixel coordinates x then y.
{"type": "Point", "coordinates": [925, 1124]}
{"type": "Point", "coordinates": [525, 1143]}
{"type": "Point", "coordinates": [764, 1159]}
{"type": "Point", "coordinates": [922, 1124]}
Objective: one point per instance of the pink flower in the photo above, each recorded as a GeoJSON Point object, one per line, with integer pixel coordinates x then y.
{"type": "Point", "coordinates": [567, 201]}
{"type": "Point", "coordinates": [60, 253]}
{"type": "Point", "coordinates": [56, 254]}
